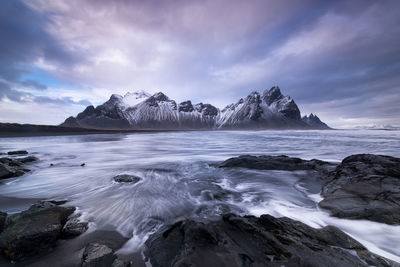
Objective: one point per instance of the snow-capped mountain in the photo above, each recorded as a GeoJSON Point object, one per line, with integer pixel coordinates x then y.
{"type": "Point", "coordinates": [132, 99]}
{"type": "Point", "coordinates": [140, 110]}
{"type": "Point", "coordinates": [315, 122]}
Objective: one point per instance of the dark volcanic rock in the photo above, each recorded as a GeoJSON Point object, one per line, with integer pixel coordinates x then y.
{"type": "Point", "coordinates": [3, 217]}
{"type": "Point", "coordinates": [120, 263]}
{"type": "Point", "coordinates": [73, 227]}
{"type": "Point", "coordinates": [250, 241]}
{"type": "Point", "coordinates": [98, 255]}
{"type": "Point", "coordinates": [284, 163]}
{"type": "Point", "coordinates": [28, 159]}
{"type": "Point", "coordinates": [33, 231]}
{"type": "Point", "coordinates": [18, 152]}
{"type": "Point", "coordinates": [364, 186]}
{"type": "Point", "coordinates": [10, 167]}
{"type": "Point", "coordinates": [185, 106]}
{"type": "Point", "coordinates": [206, 109]}
{"type": "Point", "coordinates": [126, 178]}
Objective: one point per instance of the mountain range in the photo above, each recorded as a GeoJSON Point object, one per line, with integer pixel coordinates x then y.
{"type": "Point", "coordinates": [141, 110]}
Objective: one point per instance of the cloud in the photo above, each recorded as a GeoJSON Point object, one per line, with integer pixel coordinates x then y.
{"type": "Point", "coordinates": [34, 84]}
{"type": "Point", "coordinates": [337, 57]}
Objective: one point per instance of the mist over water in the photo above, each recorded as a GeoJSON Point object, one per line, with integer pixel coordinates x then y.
{"type": "Point", "coordinates": [179, 180]}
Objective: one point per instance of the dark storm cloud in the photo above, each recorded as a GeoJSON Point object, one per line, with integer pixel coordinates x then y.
{"type": "Point", "coordinates": [338, 58]}
{"type": "Point", "coordinates": [24, 40]}
{"type": "Point", "coordinates": [33, 84]}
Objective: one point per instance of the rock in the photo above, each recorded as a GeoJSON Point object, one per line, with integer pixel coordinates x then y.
{"type": "Point", "coordinates": [6, 171]}
{"type": "Point", "coordinates": [3, 217]}
{"type": "Point", "coordinates": [17, 152]}
{"type": "Point", "coordinates": [73, 227]}
{"type": "Point", "coordinates": [126, 178]}
{"type": "Point", "coordinates": [284, 163]}
{"type": "Point", "coordinates": [98, 255]}
{"type": "Point", "coordinates": [28, 159]}
{"type": "Point", "coordinates": [249, 241]}
{"type": "Point", "coordinates": [364, 186]}
{"type": "Point", "coordinates": [14, 167]}
{"type": "Point", "coordinates": [83, 164]}
{"type": "Point", "coordinates": [120, 263]}
{"type": "Point", "coordinates": [33, 231]}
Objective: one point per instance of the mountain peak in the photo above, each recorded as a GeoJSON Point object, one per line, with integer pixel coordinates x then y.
{"type": "Point", "coordinates": [140, 110]}
{"type": "Point", "coordinates": [115, 97]}
{"type": "Point", "coordinates": [134, 98]}
{"type": "Point", "coordinates": [272, 95]}
{"type": "Point", "coordinates": [160, 96]}
{"type": "Point", "coordinates": [315, 122]}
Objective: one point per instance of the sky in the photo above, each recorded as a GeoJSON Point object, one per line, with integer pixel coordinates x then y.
{"type": "Point", "coordinates": [337, 59]}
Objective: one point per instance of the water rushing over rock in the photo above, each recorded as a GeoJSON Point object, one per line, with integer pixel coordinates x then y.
{"type": "Point", "coordinates": [180, 179]}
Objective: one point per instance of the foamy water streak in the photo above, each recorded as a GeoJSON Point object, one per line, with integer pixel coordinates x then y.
{"type": "Point", "coordinates": [178, 182]}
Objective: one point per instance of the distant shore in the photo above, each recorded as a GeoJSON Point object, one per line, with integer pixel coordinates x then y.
{"type": "Point", "coordinates": [25, 130]}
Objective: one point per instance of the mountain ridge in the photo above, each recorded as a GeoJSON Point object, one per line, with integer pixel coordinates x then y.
{"type": "Point", "coordinates": [140, 110]}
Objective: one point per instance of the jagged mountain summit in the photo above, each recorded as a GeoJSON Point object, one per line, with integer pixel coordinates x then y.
{"type": "Point", "coordinates": [140, 110]}
{"type": "Point", "coordinates": [315, 122]}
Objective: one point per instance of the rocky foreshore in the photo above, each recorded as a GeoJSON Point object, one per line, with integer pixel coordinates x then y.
{"type": "Point", "coordinates": [36, 232]}
{"type": "Point", "coordinates": [250, 241]}
{"type": "Point", "coordinates": [16, 165]}
{"type": "Point", "coordinates": [362, 186]}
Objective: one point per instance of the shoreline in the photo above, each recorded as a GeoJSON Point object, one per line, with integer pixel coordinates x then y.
{"type": "Point", "coordinates": [32, 130]}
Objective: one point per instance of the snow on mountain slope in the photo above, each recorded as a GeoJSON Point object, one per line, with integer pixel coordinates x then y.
{"type": "Point", "coordinates": [132, 99]}
{"type": "Point", "coordinates": [271, 110]}
{"type": "Point", "coordinates": [140, 110]}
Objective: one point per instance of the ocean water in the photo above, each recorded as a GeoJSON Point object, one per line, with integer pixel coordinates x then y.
{"type": "Point", "coordinates": [179, 178]}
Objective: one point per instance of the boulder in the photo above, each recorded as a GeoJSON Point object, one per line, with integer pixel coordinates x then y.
{"type": "Point", "coordinates": [126, 178]}
{"type": "Point", "coordinates": [10, 167]}
{"type": "Point", "coordinates": [3, 217]}
{"type": "Point", "coordinates": [73, 227]}
{"type": "Point", "coordinates": [17, 152]}
{"type": "Point", "coordinates": [250, 241]}
{"type": "Point", "coordinates": [120, 263]}
{"type": "Point", "coordinates": [6, 171]}
{"type": "Point", "coordinates": [364, 186]}
{"type": "Point", "coordinates": [33, 231]}
{"type": "Point", "coordinates": [97, 255]}
{"type": "Point", "coordinates": [28, 159]}
{"type": "Point", "coordinates": [282, 162]}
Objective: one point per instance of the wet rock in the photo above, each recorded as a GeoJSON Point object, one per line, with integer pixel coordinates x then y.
{"type": "Point", "coordinates": [98, 255]}
{"type": "Point", "coordinates": [17, 152]}
{"type": "Point", "coordinates": [6, 171]}
{"type": "Point", "coordinates": [283, 163]}
{"type": "Point", "coordinates": [120, 263]}
{"type": "Point", "coordinates": [250, 241]}
{"type": "Point", "coordinates": [33, 231]}
{"type": "Point", "coordinates": [73, 227]}
{"type": "Point", "coordinates": [126, 178]}
{"type": "Point", "coordinates": [364, 186]}
{"type": "Point", "coordinates": [10, 167]}
{"type": "Point", "coordinates": [3, 217]}
{"type": "Point", "coordinates": [28, 159]}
